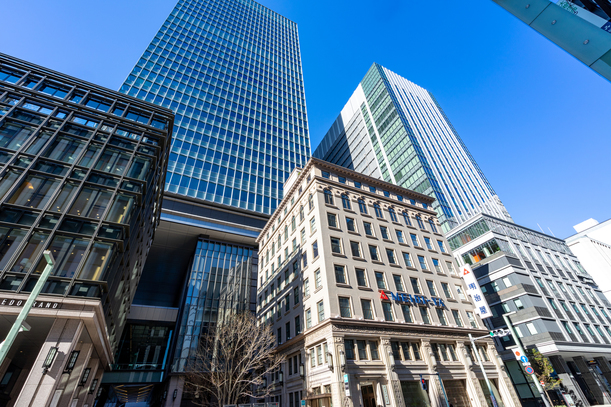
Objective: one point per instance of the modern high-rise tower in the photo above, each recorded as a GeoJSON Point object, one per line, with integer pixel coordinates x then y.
{"type": "Point", "coordinates": [231, 71]}
{"type": "Point", "coordinates": [395, 130]}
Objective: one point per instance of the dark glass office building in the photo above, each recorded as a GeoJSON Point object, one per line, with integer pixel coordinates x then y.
{"type": "Point", "coordinates": [231, 72]}
{"type": "Point", "coordinates": [81, 175]}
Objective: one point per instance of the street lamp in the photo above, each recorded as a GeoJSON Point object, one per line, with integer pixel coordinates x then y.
{"type": "Point", "coordinates": [342, 360]}
{"type": "Point", "coordinates": [392, 359]}
{"type": "Point", "coordinates": [302, 370]}
{"type": "Point", "coordinates": [85, 376]}
{"type": "Point", "coordinates": [72, 360]}
{"type": "Point", "coordinates": [330, 360]}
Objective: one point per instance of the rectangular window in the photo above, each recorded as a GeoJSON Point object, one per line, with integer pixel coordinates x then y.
{"type": "Point", "coordinates": [414, 240]}
{"type": "Point", "coordinates": [361, 278]}
{"type": "Point", "coordinates": [442, 248]}
{"type": "Point", "coordinates": [332, 219]}
{"type": "Point", "coordinates": [422, 263]}
{"type": "Point", "coordinates": [367, 309]}
{"type": "Point", "coordinates": [317, 279]}
{"type": "Point", "coordinates": [446, 290]}
{"type": "Point", "coordinates": [313, 357]}
{"type": "Point", "coordinates": [340, 274]}
{"type": "Point", "coordinates": [472, 320]}
{"type": "Point", "coordinates": [461, 293]}
{"type": "Point", "coordinates": [407, 313]}
{"type": "Point", "coordinates": [279, 336]}
{"type": "Point", "coordinates": [321, 311]}
{"type": "Point", "coordinates": [315, 249]}
{"type": "Point", "coordinates": [306, 287]}
{"type": "Point", "coordinates": [457, 318]}
{"type": "Point", "coordinates": [288, 330]}
{"type": "Point", "coordinates": [355, 248]}
{"type": "Point", "coordinates": [303, 236]}
{"type": "Point", "coordinates": [373, 349]}
{"type": "Point", "coordinates": [368, 228]}
{"type": "Point", "coordinates": [427, 241]}
{"type": "Point", "coordinates": [450, 268]}
{"type": "Point", "coordinates": [398, 282]}
{"type": "Point", "coordinates": [400, 237]}
{"type": "Point", "coordinates": [424, 313]}
{"type": "Point", "coordinates": [437, 266]}
{"type": "Point", "coordinates": [387, 308]}
{"type": "Point", "coordinates": [442, 316]}
{"type": "Point", "coordinates": [349, 345]}
{"type": "Point", "coordinates": [319, 354]}
{"type": "Point", "coordinates": [390, 253]}
{"type": "Point", "coordinates": [336, 246]}
{"type": "Point", "coordinates": [431, 287]}
{"type": "Point", "coordinates": [350, 225]}
{"type": "Point", "coordinates": [384, 232]}
{"type": "Point", "coordinates": [415, 285]}
{"type": "Point", "coordinates": [287, 303]}
{"type": "Point", "coordinates": [407, 259]}
{"type": "Point", "coordinates": [373, 252]}
{"type": "Point", "coordinates": [308, 315]}
{"type": "Point", "coordinates": [362, 348]}
{"type": "Point", "coordinates": [415, 350]}
{"type": "Point", "coordinates": [344, 307]}
{"type": "Point", "coordinates": [380, 280]}
{"type": "Point", "coordinates": [295, 295]}
{"type": "Point", "coordinates": [297, 326]}
{"type": "Point", "coordinates": [312, 225]}
{"type": "Point", "coordinates": [325, 174]}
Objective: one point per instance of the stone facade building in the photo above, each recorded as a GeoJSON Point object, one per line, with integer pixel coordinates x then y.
{"type": "Point", "coordinates": [362, 292]}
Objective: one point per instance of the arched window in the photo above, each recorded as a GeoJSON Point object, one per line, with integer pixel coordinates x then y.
{"type": "Point", "coordinates": [393, 214]}
{"type": "Point", "coordinates": [362, 206]}
{"type": "Point", "coordinates": [310, 202]}
{"type": "Point", "coordinates": [433, 227]}
{"type": "Point", "coordinates": [328, 197]}
{"type": "Point", "coordinates": [346, 202]}
{"type": "Point", "coordinates": [378, 210]}
{"type": "Point", "coordinates": [406, 219]}
{"type": "Point", "coordinates": [420, 223]}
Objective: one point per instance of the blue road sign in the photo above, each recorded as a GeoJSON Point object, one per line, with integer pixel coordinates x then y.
{"type": "Point", "coordinates": [524, 359]}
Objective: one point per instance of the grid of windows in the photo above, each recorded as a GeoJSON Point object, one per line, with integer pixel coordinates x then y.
{"type": "Point", "coordinates": [241, 123]}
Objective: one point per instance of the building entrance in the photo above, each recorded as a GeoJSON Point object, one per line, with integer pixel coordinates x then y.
{"type": "Point", "coordinates": [369, 396]}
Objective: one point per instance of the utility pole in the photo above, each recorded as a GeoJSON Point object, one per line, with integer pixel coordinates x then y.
{"type": "Point", "coordinates": [19, 323]}
{"type": "Point", "coordinates": [521, 349]}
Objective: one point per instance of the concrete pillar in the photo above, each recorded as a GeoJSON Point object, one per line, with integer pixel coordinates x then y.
{"type": "Point", "coordinates": [569, 384]}
{"type": "Point", "coordinates": [39, 388]}
{"type": "Point", "coordinates": [597, 389]}
{"type": "Point", "coordinates": [176, 383]}
{"type": "Point", "coordinates": [337, 384]}
{"type": "Point", "coordinates": [392, 378]}
{"type": "Point", "coordinates": [82, 391]}
{"type": "Point", "coordinates": [71, 386]}
{"type": "Point", "coordinates": [474, 390]}
{"type": "Point", "coordinates": [435, 393]}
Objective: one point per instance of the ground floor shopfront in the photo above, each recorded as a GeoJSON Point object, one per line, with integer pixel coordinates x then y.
{"type": "Point", "coordinates": [370, 365]}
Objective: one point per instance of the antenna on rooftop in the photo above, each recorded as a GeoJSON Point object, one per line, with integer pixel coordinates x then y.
{"type": "Point", "coordinates": [541, 228]}
{"type": "Point", "coordinates": [551, 232]}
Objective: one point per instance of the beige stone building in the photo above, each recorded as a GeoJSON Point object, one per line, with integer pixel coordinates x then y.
{"type": "Point", "coordinates": [362, 292]}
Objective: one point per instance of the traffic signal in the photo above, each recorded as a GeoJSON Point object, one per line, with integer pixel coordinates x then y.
{"type": "Point", "coordinates": [423, 383]}
{"type": "Point", "coordinates": [500, 333]}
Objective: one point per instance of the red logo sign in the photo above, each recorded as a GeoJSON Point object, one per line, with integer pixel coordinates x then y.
{"type": "Point", "coordinates": [383, 296]}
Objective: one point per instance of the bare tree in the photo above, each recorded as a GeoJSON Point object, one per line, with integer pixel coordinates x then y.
{"type": "Point", "coordinates": [232, 361]}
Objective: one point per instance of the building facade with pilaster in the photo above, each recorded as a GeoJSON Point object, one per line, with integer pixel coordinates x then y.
{"type": "Point", "coordinates": [362, 292]}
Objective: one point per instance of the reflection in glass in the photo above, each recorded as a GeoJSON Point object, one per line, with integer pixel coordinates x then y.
{"type": "Point", "coordinates": [112, 161]}
{"type": "Point", "coordinates": [140, 168]}
{"type": "Point", "coordinates": [68, 253]}
{"type": "Point", "coordinates": [10, 241]}
{"type": "Point", "coordinates": [7, 182]}
{"type": "Point", "coordinates": [96, 262]}
{"type": "Point", "coordinates": [39, 142]}
{"type": "Point", "coordinates": [121, 210]}
{"type": "Point", "coordinates": [66, 149]}
{"type": "Point", "coordinates": [64, 197]}
{"type": "Point", "coordinates": [13, 135]}
{"type": "Point", "coordinates": [29, 253]}
{"type": "Point", "coordinates": [89, 155]}
{"type": "Point", "coordinates": [91, 203]}
{"type": "Point", "coordinates": [34, 192]}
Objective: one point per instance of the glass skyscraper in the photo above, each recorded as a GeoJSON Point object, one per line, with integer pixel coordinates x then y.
{"type": "Point", "coordinates": [395, 130]}
{"type": "Point", "coordinates": [231, 71]}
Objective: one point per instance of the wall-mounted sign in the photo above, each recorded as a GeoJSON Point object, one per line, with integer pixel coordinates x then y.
{"type": "Point", "coordinates": [12, 302]}
{"type": "Point", "coordinates": [346, 385]}
{"type": "Point", "coordinates": [413, 299]}
{"type": "Point", "coordinates": [474, 290]}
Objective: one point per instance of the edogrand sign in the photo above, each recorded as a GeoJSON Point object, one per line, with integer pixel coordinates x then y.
{"type": "Point", "coordinates": [413, 299]}
{"type": "Point", "coordinates": [12, 302]}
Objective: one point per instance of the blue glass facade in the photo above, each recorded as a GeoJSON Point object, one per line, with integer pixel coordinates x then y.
{"type": "Point", "coordinates": [231, 71]}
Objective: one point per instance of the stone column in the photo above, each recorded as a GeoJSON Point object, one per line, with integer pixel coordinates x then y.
{"type": "Point", "coordinates": [72, 380]}
{"type": "Point", "coordinates": [474, 390]}
{"type": "Point", "coordinates": [39, 388]}
{"type": "Point", "coordinates": [338, 394]}
{"type": "Point", "coordinates": [435, 393]}
{"type": "Point", "coordinates": [392, 379]}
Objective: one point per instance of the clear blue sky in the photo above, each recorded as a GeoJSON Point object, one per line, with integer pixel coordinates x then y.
{"type": "Point", "coordinates": [535, 119]}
